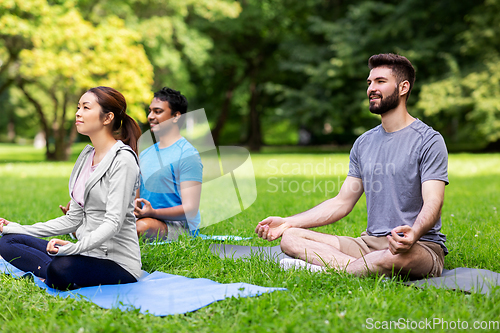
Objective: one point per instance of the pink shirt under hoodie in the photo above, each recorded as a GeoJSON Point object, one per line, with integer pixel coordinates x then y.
{"type": "Point", "coordinates": [79, 188]}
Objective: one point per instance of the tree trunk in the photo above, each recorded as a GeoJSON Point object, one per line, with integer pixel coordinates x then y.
{"type": "Point", "coordinates": [45, 127]}
{"type": "Point", "coordinates": [61, 144]}
{"type": "Point", "coordinates": [62, 129]}
{"type": "Point", "coordinates": [226, 105]}
{"type": "Point", "coordinates": [72, 137]}
{"type": "Point", "coordinates": [11, 129]}
{"type": "Point", "coordinates": [221, 120]}
{"type": "Point", "coordinates": [5, 67]}
{"type": "Point", "coordinates": [255, 133]}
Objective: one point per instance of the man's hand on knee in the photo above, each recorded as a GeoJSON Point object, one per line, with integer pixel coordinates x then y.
{"type": "Point", "coordinates": [65, 209]}
{"type": "Point", "coordinates": [271, 228]}
{"type": "Point", "coordinates": [143, 208]}
{"type": "Point", "coordinates": [398, 244]}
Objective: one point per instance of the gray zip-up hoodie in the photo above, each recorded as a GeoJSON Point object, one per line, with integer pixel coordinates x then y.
{"type": "Point", "coordinates": [105, 226]}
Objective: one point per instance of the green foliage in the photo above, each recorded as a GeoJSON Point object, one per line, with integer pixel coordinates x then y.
{"type": "Point", "coordinates": [245, 58]}
{"type": "Point", "coordinates": [85, 56]}
{"type": "Point", "coordinates": [310, 59]}
{"type": "Point", "coordinates": [259, 68]}
{"type": "Point", "coordinates": [173, 46]}
{"type": "Point", "coordinates": [469, 94]}
{"type": "Point", "coordinates": [67, 56]}
{"type": "Point", "coordinates": [330, 59]}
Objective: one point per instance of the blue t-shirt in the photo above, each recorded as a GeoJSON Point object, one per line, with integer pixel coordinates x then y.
{"type": "Point", "coordinates": [163, 171]}
{"type": "Point", "coordinates": [393, 167]}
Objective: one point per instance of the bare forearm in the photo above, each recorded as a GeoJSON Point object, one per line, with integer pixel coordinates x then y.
{"type": "Point", "coordinates": [433, 195]}
{"type": "Point", "coordinates": [427, 218]}
{"type": "Point", "coordinates": [331, 210]}
{"type": "Point", "coordinates": [327, 212]}
{"type": "Point", "coordinates": [169, 213]}
{"type": "Point", "coordinates": [180, 212]}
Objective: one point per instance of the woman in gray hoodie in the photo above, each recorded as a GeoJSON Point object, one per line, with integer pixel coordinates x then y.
{"type": "Point", "coordinates": [102, 188]}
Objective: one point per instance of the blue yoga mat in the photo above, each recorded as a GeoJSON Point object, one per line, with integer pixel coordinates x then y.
{"type": "Point", "coordinates": [205, 237]}
{"type": "Point", "coordinates": [158, 293]}
{"type": "Point", "coordinates": [223, 237]}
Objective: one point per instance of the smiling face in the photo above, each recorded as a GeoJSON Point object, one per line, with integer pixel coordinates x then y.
{"type": "Point", "coordinates": [383, 90]}
{"type": "Point", "coordinates": [160, 113]}
{"type": "Point", "coordinates": [89, 115]}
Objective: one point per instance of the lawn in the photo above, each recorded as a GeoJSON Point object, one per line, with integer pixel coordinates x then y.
{"type": "Point", "coordinates": [31, 191]}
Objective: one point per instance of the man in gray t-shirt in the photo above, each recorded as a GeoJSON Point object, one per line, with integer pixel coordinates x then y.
{"type": "Point", "coordinates": [392, 167]}
{"type": "Point", "coordinates": [401, 166]}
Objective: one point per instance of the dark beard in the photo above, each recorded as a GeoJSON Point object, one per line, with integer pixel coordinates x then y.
{"type": "Point", "coordinates": [386, 103]}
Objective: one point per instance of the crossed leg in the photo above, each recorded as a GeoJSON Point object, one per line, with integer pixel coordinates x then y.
{"type": "Point", "coordinates": [151, 228]}
{"type": "Point", "coordinates": [324, 249]}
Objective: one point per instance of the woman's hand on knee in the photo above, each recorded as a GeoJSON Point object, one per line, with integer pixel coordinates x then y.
{"type": "Point", "coordinates": [53, 245]}
{"type": "Point", "coordinates": [2, 223]}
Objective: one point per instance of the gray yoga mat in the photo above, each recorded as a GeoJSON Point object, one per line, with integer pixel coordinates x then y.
{"type": "Point", "coordinates": [465, 279]}
{"type": "Point", "coordinates": [240, 251]}
{"type": "Point", "coordinates": [471, 280]}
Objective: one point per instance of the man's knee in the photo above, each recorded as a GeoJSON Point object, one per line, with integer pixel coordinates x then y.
{"type": "Point", "coordinates": [398, 264]}
{"type": "Point", "coordinates": [151, 227]}
{"type": "Point", "coordinates": [142, 226]}
{"type": "Point", "coordinates": [288, 235]}
{"type": "Point", "coordinates": [288, 239]}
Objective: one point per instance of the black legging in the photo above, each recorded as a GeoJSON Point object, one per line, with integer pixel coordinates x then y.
{"type": "Point", "coordinates": [63, 272]}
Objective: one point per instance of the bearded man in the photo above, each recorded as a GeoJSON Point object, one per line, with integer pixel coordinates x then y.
{"type": "Point", "coordinates": [401, 166]}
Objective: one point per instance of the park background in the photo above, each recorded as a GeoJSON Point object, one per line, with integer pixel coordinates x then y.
{"type": "Point", "coordinates": [270, 72]}
{"type": "Point", "coordinates": [286, 79]}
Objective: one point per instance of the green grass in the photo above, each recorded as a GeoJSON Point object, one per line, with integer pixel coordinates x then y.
{"type": "Point", "coordinates": [31, 191]}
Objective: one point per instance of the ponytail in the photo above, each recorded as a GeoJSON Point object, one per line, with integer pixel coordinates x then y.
{"type": "Point", "coordinates": [130, 132]}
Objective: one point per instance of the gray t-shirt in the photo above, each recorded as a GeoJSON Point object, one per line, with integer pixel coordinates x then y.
{"type": "Point", "coordinates": [393, 167]}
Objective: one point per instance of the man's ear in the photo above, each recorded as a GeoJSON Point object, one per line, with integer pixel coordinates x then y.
{"type": "Point", "coordinates": [177, 116]}
{"type": "Point", "coordinates": [404, 87]}
{"type": "Point", "coordinates": [108, 118]}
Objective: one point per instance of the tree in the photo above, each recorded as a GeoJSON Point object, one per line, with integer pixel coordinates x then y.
{"type": "Point", "coordinates": [244, 60]}
{"type": "Point", "coordinates": [173, 45]}
{"type": "Point", "coordinates": [69, 55]}
{"type": "Point", "coordinates": [330, 60]}
{"type": "Point", "coordinates": [467, 98]}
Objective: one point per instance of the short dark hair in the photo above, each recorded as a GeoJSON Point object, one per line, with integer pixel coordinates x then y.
{"type": "Point", "coordinates": [400, 66]}
{"type": "Point", "coordinates": [176, 101]}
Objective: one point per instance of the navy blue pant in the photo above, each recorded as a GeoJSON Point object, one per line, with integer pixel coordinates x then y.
{"type": "Point", "coordinates": [65, 272]}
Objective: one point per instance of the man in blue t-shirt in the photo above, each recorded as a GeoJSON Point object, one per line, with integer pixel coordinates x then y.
{"type": "Point", "coordinates": [401, 166]}
{"type": "Point", "coordinates": [171, 173]}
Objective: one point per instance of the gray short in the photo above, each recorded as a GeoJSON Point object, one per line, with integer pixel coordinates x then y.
{"type": "Point", "coordinates": [176, 228]}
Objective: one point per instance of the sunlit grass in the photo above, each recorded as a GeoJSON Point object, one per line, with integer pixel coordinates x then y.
{"type": "Point", "coordinates": [31, 191]}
